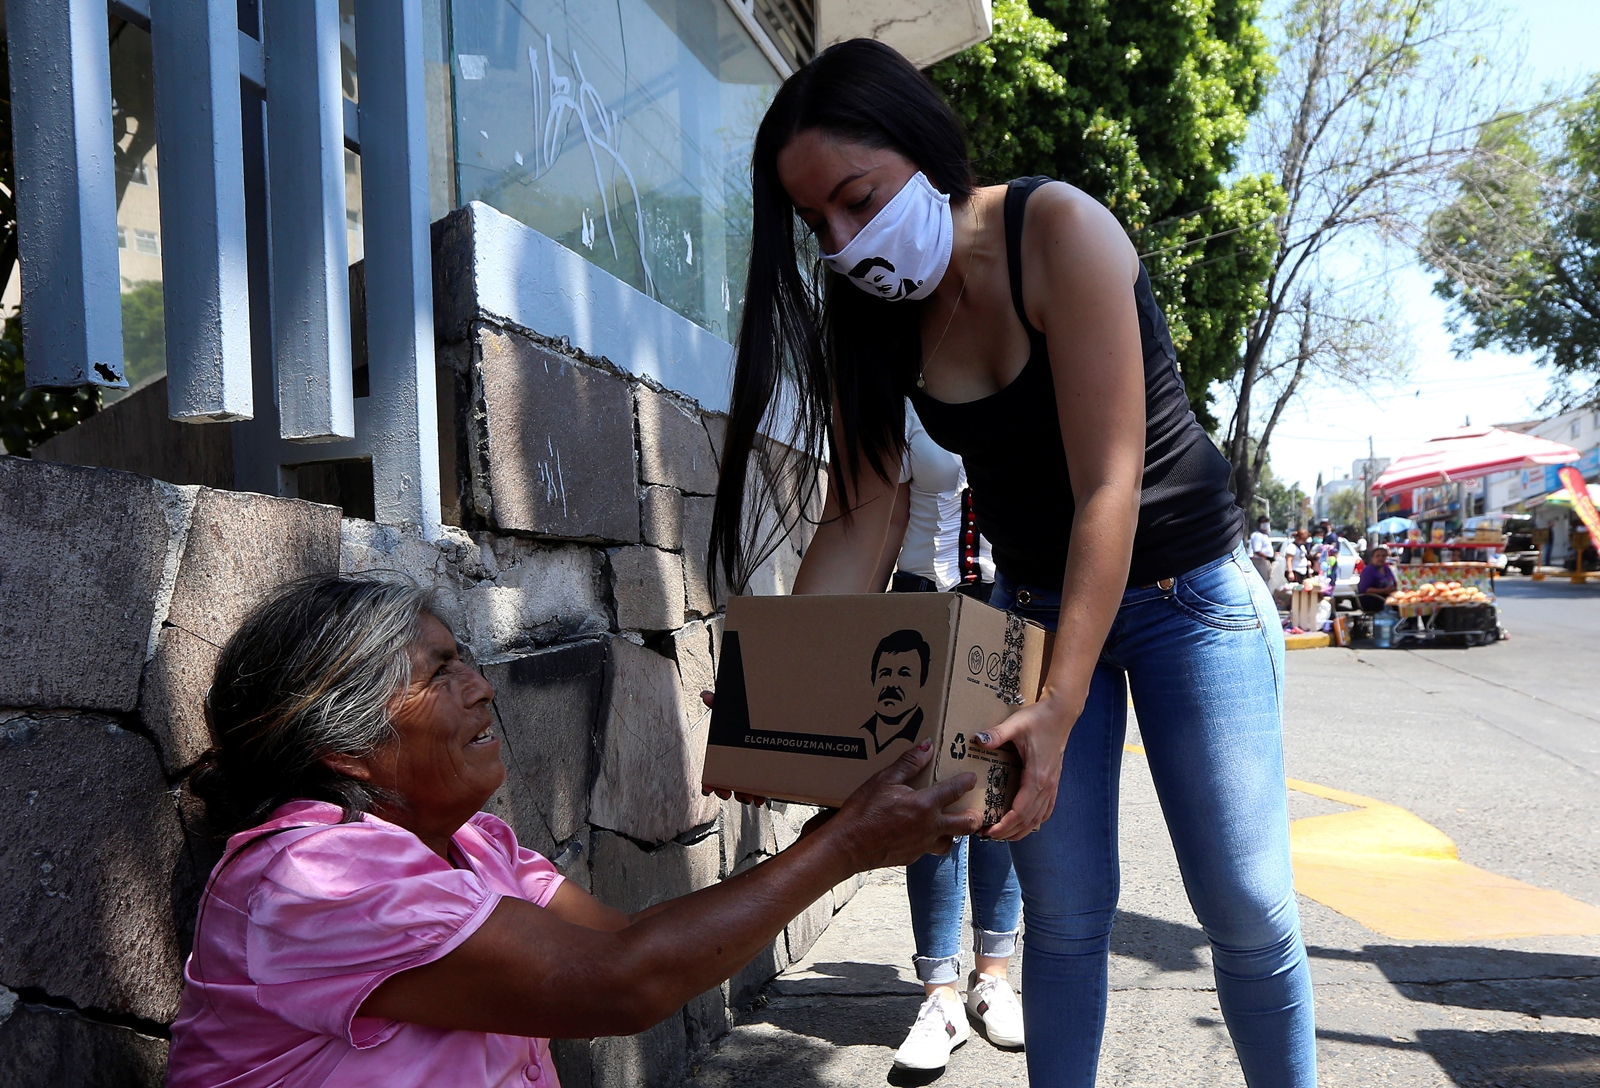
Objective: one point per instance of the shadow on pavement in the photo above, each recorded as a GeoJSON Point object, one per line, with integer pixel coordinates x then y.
{"type": "Point", "coordinates": [1498, 1059]}
{"type": "Point", "coordinates": [1171, 946]}
{"type": "Point", "coordinates": [1534, 984]}
{"type": "Point", "coordinates": [882, 1022]}
{"type": "Point", "coordinates": [854, 979]}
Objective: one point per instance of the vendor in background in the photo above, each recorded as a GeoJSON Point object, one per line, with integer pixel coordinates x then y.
{"type": "Point", "coordinates": [1377, 581]}
{"type": "Point", "coordinates": [1261, 549]}
{"type": "Point", "coordinates": [934, 546]}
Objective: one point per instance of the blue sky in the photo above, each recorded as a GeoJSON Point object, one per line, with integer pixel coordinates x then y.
{"type": "Point", "coordinates": [1329, 427]}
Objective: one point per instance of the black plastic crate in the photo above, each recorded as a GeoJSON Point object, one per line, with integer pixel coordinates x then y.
{"type": "Point", "coordinates": [1464, 618]}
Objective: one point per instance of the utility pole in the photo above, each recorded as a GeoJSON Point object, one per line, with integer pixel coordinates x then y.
{"type": "Point", "coordinates": [1367, 512]}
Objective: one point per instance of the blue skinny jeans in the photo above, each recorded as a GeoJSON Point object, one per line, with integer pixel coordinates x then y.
{"type": "Point", "coordinates": [1204, 663]}
{"type": "Point", "coordinates": [938, 886]}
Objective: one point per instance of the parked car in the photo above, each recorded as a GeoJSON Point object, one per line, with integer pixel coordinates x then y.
{"type": "Point", "coordinates": [1521, 553]}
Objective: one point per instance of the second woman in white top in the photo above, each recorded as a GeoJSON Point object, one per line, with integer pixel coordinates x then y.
{"type": "Point", "coordinates": [925, 553]}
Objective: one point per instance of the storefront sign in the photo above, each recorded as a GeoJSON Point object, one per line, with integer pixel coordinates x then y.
{"type": "Point", "coordinates": [1538, 481]}
{"type": "Point", "coordinates": [1581, 502]}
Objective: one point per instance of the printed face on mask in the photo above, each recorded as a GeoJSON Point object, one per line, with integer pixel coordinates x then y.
{"type": "Point", "coordinates": [903, 252]}
{"type": "Point", "coordinates": [877, 275]}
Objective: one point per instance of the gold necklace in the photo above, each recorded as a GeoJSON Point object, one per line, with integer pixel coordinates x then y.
{"type": "Point", "coordinates": [922, 367]}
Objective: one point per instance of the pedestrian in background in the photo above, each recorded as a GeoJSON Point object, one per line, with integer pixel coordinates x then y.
{"type": "Point", "coordinates": [1261, 549]}
{"type": "Point", "coordinates": [928, 550]}
{"type": "Point", "coordinates": [1297, 557]}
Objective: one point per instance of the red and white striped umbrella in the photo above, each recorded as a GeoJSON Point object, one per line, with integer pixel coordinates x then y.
{"type": "Point", "coordinates": [1471, 451]}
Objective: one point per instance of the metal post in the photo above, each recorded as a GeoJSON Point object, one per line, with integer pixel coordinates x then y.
{"type": "Point", "coordinates": [65, 192]}
{"type": "Point", "coordinates": [402, 411]}
{"type": "Point", "coordinates": [305, 163]}
{"type": "Point", "coordinates": [195, 53]}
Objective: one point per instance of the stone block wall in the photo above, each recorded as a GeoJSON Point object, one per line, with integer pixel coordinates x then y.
{"type": "Point", "coordinates": [577, 580]}
{"type": "Point", "coordinates": [116, 592]}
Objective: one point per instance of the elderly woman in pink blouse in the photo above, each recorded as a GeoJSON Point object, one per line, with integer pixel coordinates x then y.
{"type": "Point", "coordinates": [368, 925]}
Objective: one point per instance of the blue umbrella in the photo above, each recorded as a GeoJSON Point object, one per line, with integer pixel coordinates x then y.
{"type": "Point", "coordinates": [1392, 525]}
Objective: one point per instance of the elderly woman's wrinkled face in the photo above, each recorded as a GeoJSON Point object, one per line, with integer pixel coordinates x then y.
{"type": "Point", "coordinates": [445, 759]}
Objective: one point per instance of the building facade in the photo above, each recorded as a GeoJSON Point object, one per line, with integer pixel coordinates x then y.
{"type": "Point", "coordinates": [1523, 492]}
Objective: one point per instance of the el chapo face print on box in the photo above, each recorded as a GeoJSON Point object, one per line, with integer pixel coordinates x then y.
{"type": "Point", "coordinates": [816, 694]}
{"type": "Point", "coordinates": [899, 673]}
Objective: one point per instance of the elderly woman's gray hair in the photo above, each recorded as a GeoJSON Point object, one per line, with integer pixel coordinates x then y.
{"type": "Point", "coordinates": [311, 672]}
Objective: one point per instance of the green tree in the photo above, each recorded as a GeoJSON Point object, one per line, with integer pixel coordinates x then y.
{"type": "Point", "coordinates": [1140, 103]}
{"type": "Point", "coordinates": [144, 332]}
{"type": "Point", "coordinates": [1345, 508]}
{"type": "Point", "coordinates": [1282, 502]}
{"type": "Point", "coordinates": [1518, 247]}
{"type": "Point", "coordinates": [1375, 103]}
{"type": "Point", "coordinates": [29, 416]}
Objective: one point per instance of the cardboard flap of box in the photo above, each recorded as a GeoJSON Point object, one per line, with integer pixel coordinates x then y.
{"type": "Point", "coordinates": [815, 694]}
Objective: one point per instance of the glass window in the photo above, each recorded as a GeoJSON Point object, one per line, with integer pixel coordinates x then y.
{"type": "Point", "coordinates": [138, 181]}
{"type": "Point", "coordinates": [436, 94]}
{"type": "Point", "coordinates": [621, 130]}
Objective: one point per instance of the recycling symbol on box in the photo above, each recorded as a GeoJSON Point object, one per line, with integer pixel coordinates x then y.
{"type": "Point", "coordinates": [958, 747]}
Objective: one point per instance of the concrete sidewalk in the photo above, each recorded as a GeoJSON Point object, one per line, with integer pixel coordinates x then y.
{"type": "Point", "coordinates": [1398, 727]}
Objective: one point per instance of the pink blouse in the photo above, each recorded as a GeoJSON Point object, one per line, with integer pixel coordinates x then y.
{"type": "Point", "coordinates": [299, 927]}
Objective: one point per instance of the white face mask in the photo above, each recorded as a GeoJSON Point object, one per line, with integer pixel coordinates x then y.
{"type": "Point", "coordinates": [904, 251]}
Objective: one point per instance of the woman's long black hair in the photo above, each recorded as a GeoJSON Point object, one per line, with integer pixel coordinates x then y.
{"type": "Point", "coordinates": [810, 341]}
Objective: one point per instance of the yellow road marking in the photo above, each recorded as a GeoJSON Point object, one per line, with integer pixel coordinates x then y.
{"type": "Point", "coordinates": [1400, 876]}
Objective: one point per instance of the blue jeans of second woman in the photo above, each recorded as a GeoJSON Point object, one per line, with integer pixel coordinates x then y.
{"type": "Point", "coordinates": [937, 888]}
{"type": "Point", "coordinates": [1203, 660]}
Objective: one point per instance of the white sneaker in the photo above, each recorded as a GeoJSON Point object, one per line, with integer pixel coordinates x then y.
{"type": "Point", "coordinates": [939, 1029]}
{"type": "Point", "coordinates": [993, 1003]}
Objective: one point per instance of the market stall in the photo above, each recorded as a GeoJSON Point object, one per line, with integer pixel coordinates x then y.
{"type": "Point", "coordinates": [1443, 590]}
{"type": "Point", "coordinates": [1445, 601]}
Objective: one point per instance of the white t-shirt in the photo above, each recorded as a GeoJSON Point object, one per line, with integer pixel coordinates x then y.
{"type": "Point", "coordinates": [932, 546]}
{"type": "Point", "coordinates": [1261, 544]}
{"type": "Point", "coordinates": [1297, 557]}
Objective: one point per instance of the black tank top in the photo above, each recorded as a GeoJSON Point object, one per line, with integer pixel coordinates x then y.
{"type": "Point", "coordinates": [1010, 442]}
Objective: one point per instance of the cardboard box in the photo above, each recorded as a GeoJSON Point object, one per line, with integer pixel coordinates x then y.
{"type": "Point", "coordinates": [815, 694]}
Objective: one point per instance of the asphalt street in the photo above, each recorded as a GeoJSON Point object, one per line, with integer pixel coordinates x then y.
{"type": "Point", "coordinates": [1496, 747]}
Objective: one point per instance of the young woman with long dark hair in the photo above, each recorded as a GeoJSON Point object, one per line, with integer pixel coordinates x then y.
{"type": "Point", "coordinates": [1020, 323]}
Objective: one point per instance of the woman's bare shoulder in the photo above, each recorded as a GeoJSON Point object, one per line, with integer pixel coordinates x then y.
{"type": "Point", "coordinates": [1064, 216]}
{"type": "Point", "coordinates": [1071, 246]}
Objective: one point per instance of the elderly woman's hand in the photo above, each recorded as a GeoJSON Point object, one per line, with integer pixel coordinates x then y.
{"type": "Point", "coordinates": [886, 822]}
